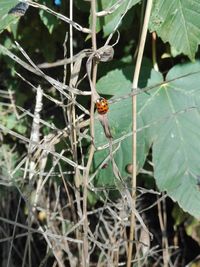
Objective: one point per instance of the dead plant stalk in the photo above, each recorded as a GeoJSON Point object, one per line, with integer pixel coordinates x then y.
{"type": "Point", "coordinates": [92, 148]}
{"type": "Point", "coordinates": [134, 126]}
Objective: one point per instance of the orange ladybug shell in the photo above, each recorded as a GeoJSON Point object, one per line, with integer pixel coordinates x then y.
{"type": "Point", "coordinates": [102, 106]}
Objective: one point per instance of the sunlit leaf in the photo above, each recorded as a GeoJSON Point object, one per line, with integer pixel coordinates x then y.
{"type": "Point", "coordinates": [118, 83]}
{"type": "Point", "coordinates": [177, 22]}
{"type": "Point", "coordinates": [173, 112]}
{"type": "Point", "coordinates": [168, 121]}
{"type": "Point", "coordinates": [110, 21]}
{"type": "Point", "coordinates": [5, 18]}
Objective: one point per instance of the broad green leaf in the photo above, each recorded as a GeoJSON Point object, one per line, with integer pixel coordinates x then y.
{"type": "Point", "coordinates": [122, 155]}
{"type": "Point", "coordinates": [172, 112]}
{"type": "Point", "coordinates": [5, 18]}
{"type": "Point", "coordinates": [168, 120]}
{"type": "Point", "coordinates": [177, 22]}
{"type": "Point", "coordinates": [118, 82]}
{"type": "Point", "coordinates": [115, 83]}
{"type": "Point", "coordinates": [109, 22]}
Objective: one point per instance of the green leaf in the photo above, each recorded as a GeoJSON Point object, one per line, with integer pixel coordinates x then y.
{"type": "Point", "coordinates": [122, 156]}
{"type": "Point", "coordinates": [7, 19]}
{"type": "Point", "coordinates": [109, 22]}
{"type": "Point", "coordinates": [168, 120]}
{"type": "Point", "coordinates": [11, 121]}
{"type": "Point", "coordinates": [115, 83]}
{"type": "Point", "coordinates": [177, 22]}
{"type": "Point", "coordinates": [172, 111]}
{"type": "Point", "coordinates": [8, 161]}
{"type": "Point", "coordinates": [21, 128]}
{"type": "Point", "coordinates": [48, 20]}
{"type": "Point", "coordinates": [118, 82]}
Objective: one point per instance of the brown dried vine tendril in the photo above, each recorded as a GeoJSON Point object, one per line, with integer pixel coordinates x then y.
{"type": "Point", "coordinates": [104, 54]}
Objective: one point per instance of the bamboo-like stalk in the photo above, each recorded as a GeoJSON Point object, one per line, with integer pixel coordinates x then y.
{"type": "Point", "coordinates": [162, 216]}
{"type": "Point", "coordinates": [134, 126]}
{"type": "Point", "coordinates": [73, 112]}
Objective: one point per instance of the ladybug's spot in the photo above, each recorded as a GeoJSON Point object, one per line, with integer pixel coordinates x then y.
{"type": "Point", "coordinates": [105, 166]}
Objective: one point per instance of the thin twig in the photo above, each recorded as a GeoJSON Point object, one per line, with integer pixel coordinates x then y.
{"type": "Point", "coordinates": [154, 58]}
{"type": "Point", "coordinates": [58, 85]}
{"type": "Point", "coordinates": [58, 15]}
{"type": "Point", "coordinates": [111, 9]}
{"type": "Point", "coordinates": [13, 233]}
{"type": "Point", "coordinates": [41, 146]}
{"type": "Point", "coordinates": [163, 226]}
{"type": "Point", "coordinates": [92, 148]}
{"type": "Point", "coordinates": [134, 127]}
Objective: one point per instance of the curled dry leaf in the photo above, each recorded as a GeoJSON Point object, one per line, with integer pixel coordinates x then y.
{"type": "Point", "coordinates": [104, 122]}
{"type": "Point", "coordinates": [104, 53]}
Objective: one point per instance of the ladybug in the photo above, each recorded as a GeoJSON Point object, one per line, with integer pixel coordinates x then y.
{"type": "Point", "coordinates": [102, 105]}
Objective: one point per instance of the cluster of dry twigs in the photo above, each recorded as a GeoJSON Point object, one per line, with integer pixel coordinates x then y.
{"type": "Point", "coordinates": [55, 212]}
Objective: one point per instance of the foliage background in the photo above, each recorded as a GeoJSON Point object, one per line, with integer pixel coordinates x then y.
{"type": "Point", "coordinates": [168, 117]}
